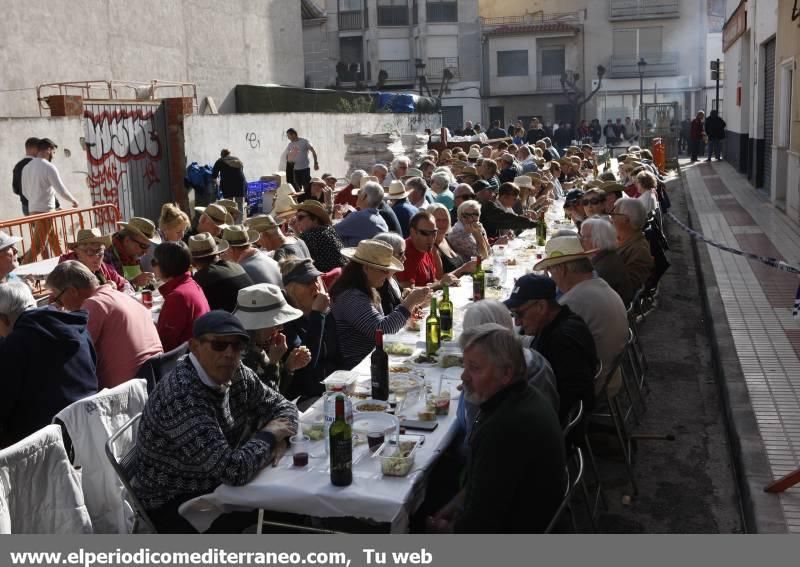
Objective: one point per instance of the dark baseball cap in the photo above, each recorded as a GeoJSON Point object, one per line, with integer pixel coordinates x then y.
{"type": "Point", "coordinates": [303, 273]}
{"type": "Point", "coordinates": [219, 322]}
{"type": "Point", "coordinates": [530, 287]}
{"type": "Point", "coordinates": [573, 195]}
{"type": "Point", "coordinates": [481, 185]}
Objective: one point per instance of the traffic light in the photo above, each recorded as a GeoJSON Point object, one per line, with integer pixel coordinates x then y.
{"type": "Point", "coordinates": [716, 70]}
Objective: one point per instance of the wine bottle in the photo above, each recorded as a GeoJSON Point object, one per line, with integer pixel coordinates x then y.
{"type": "Point", "coordinates": [379, 369]}
{"type": "Point", "coordinates": [478, 281]}
{"type": "Point", "coordinates": [541, 232]}
{"type": "Point", "coordinates": [432, 330]}
{"type": "Point", "coordinates": [341, 447]}
{"type": "Point", "coordinates": [446, 315]}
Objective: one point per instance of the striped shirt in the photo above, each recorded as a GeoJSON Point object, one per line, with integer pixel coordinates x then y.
{"type": "Point", "coordinates": [357, 319]}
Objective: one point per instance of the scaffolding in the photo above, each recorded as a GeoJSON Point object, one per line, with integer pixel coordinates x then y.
{"type": "Point", "coordinates": [116, 91]}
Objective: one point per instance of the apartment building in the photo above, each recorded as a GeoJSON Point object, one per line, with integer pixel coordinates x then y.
{"type": "Point", "coordinates": [653, 50]}
{"type": "Point", "coordinates": [397, 45]}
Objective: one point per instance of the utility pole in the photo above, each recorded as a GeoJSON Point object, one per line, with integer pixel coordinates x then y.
{"type": "Point", "coordinates": [716, 74]}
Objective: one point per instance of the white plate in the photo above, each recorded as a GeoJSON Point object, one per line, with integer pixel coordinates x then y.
{"type": "Point", "coordinates": [374, 421]}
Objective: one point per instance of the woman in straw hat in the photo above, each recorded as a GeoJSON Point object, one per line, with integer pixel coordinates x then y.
{"type": "Point", "coordinates": [357, 305]}
{"type": "Point", "coordinates": [314, 227]}
{"type": "Point", "coordinates": [89, 248]}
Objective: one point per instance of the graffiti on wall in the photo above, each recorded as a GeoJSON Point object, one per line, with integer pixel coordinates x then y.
{"type": "Point", "coordinates": [124, 152]}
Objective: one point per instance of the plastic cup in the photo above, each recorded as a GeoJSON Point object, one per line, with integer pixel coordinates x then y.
{"type": "Point", "coordinates": [300, 450]}
{"type": "Point", "coordinates": [375, 439]}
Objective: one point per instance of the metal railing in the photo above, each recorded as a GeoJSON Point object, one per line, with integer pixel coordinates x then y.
{"type": "Point", "coordinates": [660, 64]}
{"type": "Point", "coordinates": [351, 20]}
{"type": "Point", "coordinates": [643, 9]}
{"type": "Point", "coordinates": [548, 82]}
{"type": "Point", "coordinates": [392, 15]}
{"type": "Point", "coordinates": [398, 70]}
{"type": "Point", "coordinates": [532, 18]}
{"type": "Point", "coordinates": [437, 65]}
{"type": "Point", "coordinates": [120, 91]}
{"type": "Point", "coordinates": [57, 228]}
{"type": "Point", "coordinates": [441, 12]}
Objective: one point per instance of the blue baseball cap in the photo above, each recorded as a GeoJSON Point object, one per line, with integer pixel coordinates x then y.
{"type": "Point", "coordinates": [530, 287]}
{"type": "Point", "coordinates": [218, 322]}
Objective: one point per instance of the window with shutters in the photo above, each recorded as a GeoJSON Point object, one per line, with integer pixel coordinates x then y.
{"type": "Point", "coordinates": [392, 12]}
{"type": "Point", "coordinates": [512, 63]}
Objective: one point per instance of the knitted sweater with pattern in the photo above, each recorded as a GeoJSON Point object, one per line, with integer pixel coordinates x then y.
{"type": "Point", "coordinates": [193, 438]}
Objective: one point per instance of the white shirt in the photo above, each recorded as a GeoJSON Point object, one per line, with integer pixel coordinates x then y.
{"type": "Point", "coordinates": [205, 378]}
{"type": "Point", "coordinates": [40, 184]}
{"type": "Point", "coordinates": [648, 199]}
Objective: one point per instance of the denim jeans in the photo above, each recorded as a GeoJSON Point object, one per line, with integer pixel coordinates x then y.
{"type": "Point", "coordinates": [714, 146]}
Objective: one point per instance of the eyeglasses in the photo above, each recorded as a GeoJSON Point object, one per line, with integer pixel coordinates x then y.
{"type": "Point", "coordinates": [593, 202]}
{"type": "Point", "coordinates": [57, 299]}
{"type": "Point", "coordinates": [520, 313]}
{"type": "Point", "coordinates": [94, 251]}
{"type": "Point", "coordinates": [433, 232]}
{"type": "Point", "coordinates": [222, 346]}
{"type": "Point", "coordinates": [465, 196]}
{"type": "Point", "coordinates": [471, 215]}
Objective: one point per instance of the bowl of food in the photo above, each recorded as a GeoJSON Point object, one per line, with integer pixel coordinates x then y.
{"type": "Point", "coordinates": [341, 378]}
{"type": "Point", "coordinates": [397, 460]}
{"type": "Point", "coordinates": [400, 370]}
{"type": "Point", "coordinates": [371, 405]}
{"type": "Point", "coordinates": [423, 360]}
{"type": "Point", "coordinates": [404, 383]}
{"type": "Point", "coordinates": [400, 349]}
{"type": "Point", "coordinates": [450, 356]}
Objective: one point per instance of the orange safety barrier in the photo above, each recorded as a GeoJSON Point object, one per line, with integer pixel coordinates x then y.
{"type": "Point", "coordinates": [47, 234]}
{"type": "Point", "coordinates": [660, 155]}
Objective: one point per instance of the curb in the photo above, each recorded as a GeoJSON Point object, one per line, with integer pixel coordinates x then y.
{"type": "Point", "coordinates": [761, 512]}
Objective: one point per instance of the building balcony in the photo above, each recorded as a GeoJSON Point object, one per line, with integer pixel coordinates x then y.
{"type": "Point", "coordinates": [391, 16]}
{"type": "Point", "coordinates": [532, 23]}
{"type": "Point", "coordinates": [548, 83]}
{"type": "Point", "coordinates": [643, 9]}
{"type": "Point", "coordinates": [662, 64]}
{"type": "Point", "coordinates": [351, 20]}
{"type": "Point", "coordinates": [398, 70]}
{"type": "Point", "coordinates": [437, 65]}
{"type": "Point", "coordinates": [441, 12]}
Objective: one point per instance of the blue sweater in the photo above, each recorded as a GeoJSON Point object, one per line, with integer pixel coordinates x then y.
{"type": "Point", "coordinates": [48, 363]}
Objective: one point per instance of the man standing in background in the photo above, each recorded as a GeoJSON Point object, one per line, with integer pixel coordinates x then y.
{"type": "Point", "coordinates": [40, 183]}
{"type": "Point", "coordinates": [230, 170]}
{"type": "Point", "coordinates": [298, 170]}
{"type": "Point", "coordinates": [31, 149]}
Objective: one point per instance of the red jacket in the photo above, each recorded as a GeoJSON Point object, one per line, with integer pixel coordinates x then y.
{"type": "Point", "coordinates": [697, 129]}
{"type": "Point", "coordinates": [184, 301]}
{"type": "Point", "coordinates": [346, 197]}
{"type": "Point", "coordinates": [106, 272]}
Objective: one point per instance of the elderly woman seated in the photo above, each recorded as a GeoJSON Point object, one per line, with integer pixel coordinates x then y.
{"type": "Point", "coordinates": [391, 293]}
{"type": "Point", "coordinates": [356, 303]}
{"type": "Point", "coordinates": [468, 237]}
{"type": "Point", "coordinates": [452, 262]}
{"type": "Point", "coordinates": [89, 249]}
{"type": "Point", "coordinates": [597, 233]}
{"type": "Point", "coordinates": [629, 217]}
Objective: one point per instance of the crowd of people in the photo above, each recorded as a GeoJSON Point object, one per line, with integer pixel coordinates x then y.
{"type": "Point", "coordinates": [263, 308]}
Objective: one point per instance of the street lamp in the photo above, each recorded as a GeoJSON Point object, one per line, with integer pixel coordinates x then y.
{"type": "Point", "coordinates": [420, 65]}
{"type": "Point", "coordinates": [641, 66]}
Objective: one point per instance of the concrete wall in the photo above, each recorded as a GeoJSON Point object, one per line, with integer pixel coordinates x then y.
{"type": "Point", "coordinates": [319, 60]}
{"type": "Point", "coordinates": [70, 158]}
{"type": "Point", "coordinates": [214, 44]}
{"type": "Point", "coordinates": [259, 139]}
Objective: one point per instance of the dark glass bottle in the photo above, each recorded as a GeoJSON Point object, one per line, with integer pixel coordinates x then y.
{"type": "Point", "coordinates": [379, 369]}
{"type": "Point", "coordinates": [446, 315]}
{"type": "Point", "coordinates": [340, 438]}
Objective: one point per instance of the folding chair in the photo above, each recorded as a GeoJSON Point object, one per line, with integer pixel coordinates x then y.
{"type": "Point", "coordinates": [573, 443]}
{"type": "Point", "coordinates": [124, 468]}
{"type": "Point", "coordinates": [569, 491]}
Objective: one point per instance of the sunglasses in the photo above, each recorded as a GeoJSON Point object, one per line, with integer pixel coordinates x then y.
{"type": "Point", "coordinates": [465, 196]}
{"type": "Point", "coordinates": [222, 346]}
{"type": "Point", "coordinates": [593, 201]}
{"type": "Point", "coordinates": [141, 245]}
{"type": "Point", "coordinates": [471, 215]}
{"type": "Point", "coordinates": [427, 232]}
{"type": "Point", "coordinates": [57, 299]}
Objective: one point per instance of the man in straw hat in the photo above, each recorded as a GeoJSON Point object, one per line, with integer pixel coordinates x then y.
{"type": "Point", "coordinates": [272, 239]}
{"type": "Point", "coordinates": [236, 426]}
{"type": "Point", "coordinates": [468, 175]}
{"type": "Point", "coordinates": [121, 327]}
{"type": "Point", "coordinates": [233, 209]}
{"type": "Point", "coordinates": [128, 245]}
{"type": "Point", "coordinates": [561, 336]}
{"type": "Point", "coordinates": [213, 219]}
{"type": "Point", "coordinates": [89, 249]}
{"type": "Point", "coordinates": [366, 222]}
{"type": "Point", "coordinates": [397, 196]}
{"type": "Point", "coordinates": [8, 257]}
{"type": "Point", "coordinates": [258, 265]}
{"type": "Point", "coordinates": [221, 280]}
{"type": "Point", "coordinates": [313, 224]}
{"type": "Point", "coordinates": [600, 307]}
{"type": "Point", "coordinates": [263, 311]}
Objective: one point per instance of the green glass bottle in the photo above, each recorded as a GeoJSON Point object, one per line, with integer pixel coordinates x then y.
{"type": "Point", "coordinates": [432, 330]}
{"type": "Point", "coordinates": [340, 437]}
{"type": "Point", "coordinates": [478, 281]}
{"type": "Point", "coordinates": [446, 315]}
{"type": "Point", "coordinates": [541, 232]}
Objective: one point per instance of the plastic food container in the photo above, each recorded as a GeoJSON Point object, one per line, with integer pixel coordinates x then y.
{"type": "Point", "coordinates": [313, 425]}
{"type": "Point", "coordinates": [344, 378]}
{"type": "Point", "coordinates": [450, 356]}
{"type": "Point", "coordinates": [397, 461]}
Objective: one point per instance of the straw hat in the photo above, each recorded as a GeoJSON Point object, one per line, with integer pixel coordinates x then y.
{"type": "Point", "coordinates": [612, 187]}
{"type": "Point", "coordinates": [203, 245]}
{"type": "Point", "coordinates": [535, 176]}
{"type": "Point", "coordinates": [217, 213]}
{"type": "Point", "coordinates": [283, 207]}
{"type": "Point", "coordinates": [262, 306]}
{"type": "Point", "coordinates": [237, 235]}
{"type": "Point", "coordinates": [397, 190]}
{"type": "Point", "coordinates": [412, 172]}
{"type": "Point", "coordinates": [315, 208]}
{"type": "Point", "coordinates": [317, 180]}
{"type": "Point", "coordinates": [523, 181]}
{"type": "Point", "coordinates": [286, 189]}
{"type": "Point", "coordinates": [6, 240]}
{"type": "Point", "coordinates": [562, 249]}
{"type": "Point", "coordinates": [467, 172]}
{"type": "Point", "coordinates": [261, 223]}
{"type": "Point", "coordinates": [364, 180]}
{"type": "Point", "coordinates": [89, 236]}
{"type": "Point", "coordinates": [374, 253]}
{"type": "Point", "coordinates": [142, 227]}
{"type": "Point", "coordinates": [474, 153]}
{"type": "Point", "coordinates": [230, 206]}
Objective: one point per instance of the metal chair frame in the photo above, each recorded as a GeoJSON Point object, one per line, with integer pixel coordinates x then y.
{"type": "Point", "coordinates": [569, 492]}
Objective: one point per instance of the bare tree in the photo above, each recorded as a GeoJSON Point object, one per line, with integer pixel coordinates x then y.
{"type": "Point", "coordinates": [576, 96]}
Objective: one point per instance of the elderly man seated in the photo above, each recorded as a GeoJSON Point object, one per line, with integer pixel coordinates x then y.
{"type": "Point", "coordinates": [8, 257]}
{"type": "Point", "coordinates": [257, 263]}
{"type": "Point", "coordinates": [629, 217]}
{"type": "Point", "coordinates": [213, 219]}
{"type": "Point", "coordinates": [367, 221]}
{"type": "Point", "coordinates": [423, 265]}
{"type": "Point", "coordinates": [220, 280]}
{"type": "Point", "coordinates": [48, 362]}
{"type": "Point", "coordinates": [121, 328]}
{"type": "Point", "coordinates": [230, 426]}
{"type": "Point", "coordinates": [272, 239]}
{"type": "Point", "coordinates": [515, 476]}
{"type": "Point", "coordinates": [561, 336]}
{"type": "Point", "coordinates": [133, 241]}
{"type": "Point", "coordinates": [493, 216]}
{"type": "Point", "coordinates": [440, 185]}
{"type": "Point", "coordinates": [600, 307]}
{"type": "Point", "coordinates": [88, 249]}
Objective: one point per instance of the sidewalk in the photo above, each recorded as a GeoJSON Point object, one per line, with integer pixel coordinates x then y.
{"type": "Point", "coordinates": [757, 341]}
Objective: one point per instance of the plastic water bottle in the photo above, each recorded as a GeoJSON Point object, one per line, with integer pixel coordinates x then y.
{"type": "Point", "coordinates": [500, 269]}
